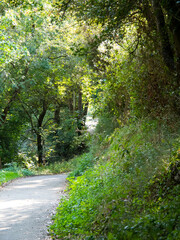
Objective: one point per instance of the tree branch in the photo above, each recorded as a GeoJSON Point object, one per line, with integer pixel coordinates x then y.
{"type": "Point", "coordinates": [47, 121]}
{"type": "Point", "coordinates": [65, 8]}
{"type": "Point", "coordinates": [30, 118]}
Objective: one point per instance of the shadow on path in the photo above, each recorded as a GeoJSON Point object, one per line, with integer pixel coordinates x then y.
{"type": "Point", "coordinates": [26, 206]}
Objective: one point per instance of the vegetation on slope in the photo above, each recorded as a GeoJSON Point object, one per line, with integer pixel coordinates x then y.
{"type": "Point", "coordinates": [132, 192]}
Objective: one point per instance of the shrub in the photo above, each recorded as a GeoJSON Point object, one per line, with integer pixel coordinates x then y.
{"type": "Point", "coordinates": [82, 163]}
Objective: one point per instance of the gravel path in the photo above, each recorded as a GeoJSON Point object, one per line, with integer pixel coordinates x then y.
{"type": "Point", "coordinates": [26, 206]}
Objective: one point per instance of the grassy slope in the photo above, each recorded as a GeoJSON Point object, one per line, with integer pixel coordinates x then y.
{"type": "Point", "coordinates": [132, 192]}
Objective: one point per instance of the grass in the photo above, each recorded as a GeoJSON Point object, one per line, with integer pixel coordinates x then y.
{"type": "Point", "coordinates": [6, 176]}
{"type": "Point", "coordinates": [12, 172]}
{"type": "Point", "coordinates": [55, 168]}
{"type": "Point", "coordinates": [75, 166]}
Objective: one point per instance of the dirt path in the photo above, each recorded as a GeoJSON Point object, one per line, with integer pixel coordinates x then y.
{"type": "Point", "coordinates": [26, 206]}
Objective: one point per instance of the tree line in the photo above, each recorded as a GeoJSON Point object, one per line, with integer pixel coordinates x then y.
{"type": "Point", "coordinates": [57, 57]}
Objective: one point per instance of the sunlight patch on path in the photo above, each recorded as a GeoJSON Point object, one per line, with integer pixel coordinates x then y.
{"type": "Point", "coordinates": [91, 124]}
{"type": "Point", "coordinates": [26, 206]}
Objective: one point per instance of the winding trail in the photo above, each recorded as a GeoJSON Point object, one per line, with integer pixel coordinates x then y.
{"type": "Point", "coordinates": [26, 206]}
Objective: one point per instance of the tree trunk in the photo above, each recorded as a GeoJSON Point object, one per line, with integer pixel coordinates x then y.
{"type": "Point", "coordinates": [74, 102]}
{"type": "Point", "coordinates": [39, 135]}
{"type": "Point", "coordinates": [0, 163]}
{"type": "Point", "coordinates": [71, 105]}
{"type": "Point", "coordinates": [80, 113]}
{"type": "Point", "coordinates": [57, 115]}
{"type": "Point", "coordinates": [166, 48]}
{"type": "Point", "coordinates": [8, 106]}
{"type": "Point", "coordinates": [40, 149]}
{"type": "Point", "coordinates": [55, 134]}
{"type": "Point", "coordinates": [85, 111]}
{"type": "Point", "coordinates": [12, 99]}
{"type": "Point", "coordinates": [175, 31]}
{"type": "Point", "coordinates": [172, 8]}
{"type": "Point", "coordinates": [148, 14]}
{"type": "Point", "coordinates": [80, 108]}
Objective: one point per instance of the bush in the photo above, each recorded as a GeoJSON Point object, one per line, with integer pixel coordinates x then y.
{"type": "Point", "coordinates": [82, 163]}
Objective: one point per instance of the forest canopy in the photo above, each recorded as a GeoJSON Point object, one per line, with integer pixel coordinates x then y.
{"type": "Point", "coordinates": [59, 57]}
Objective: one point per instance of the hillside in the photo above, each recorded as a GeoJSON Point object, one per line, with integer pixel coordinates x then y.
{"type": "Point", "coordinates": [129, 191]}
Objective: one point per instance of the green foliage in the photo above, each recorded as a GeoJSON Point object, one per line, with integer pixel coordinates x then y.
{"type": "Point", "coordinates": [7, 176]}
{"type": "Point", "coordinates": [106, 125]}
{"type": "Point", "coordinates": [12, 171]}
{"type": "Point", "coordinates": [82, 164]}
{"type": "Point", "coordinates": [64, 140]}
{"type": "Point", "coordinates": [134, 85]}
{"type": "Point", "coordinates": [55, 168]}
{"type": "Point", "coordinates": [114, 200]}
{"type": "Point", "coordinates": [75, 167]}
{"type": "Point", "coordinates": [39, 73]}
{"type": "Point", "coordinates": [10, 136]}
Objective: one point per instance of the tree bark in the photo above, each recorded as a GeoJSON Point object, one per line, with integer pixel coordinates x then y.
{"type": "Point", "coordinates": [0, 163]}
{"type": "Point", "coordinates": [174, 16]}
{"type": "Point", "coordinates": [12, 99]}
{"type": "Point", "coordinates": [80, 108]}
{"type": "Point", "coordinates": [85, 111]}
{"type": "Point", "coordinates": [8, 106]}
{"type": "Point", "coordinates": [57, 115]}
{"type": "Point", "coordinates": [40, 149]}
{"type": "Point", "coordinates": [74, 102]}
{"type": "Point", "coordinates": [166, 47]}
{"type": "Point", "coordinates": [80, 113]}
{"type": "Point", "coordinates": [39, 135]}
{"type": "Point", "coordinates": [71, 105]}
{"type": "Point", "coordinates": [148, 14]}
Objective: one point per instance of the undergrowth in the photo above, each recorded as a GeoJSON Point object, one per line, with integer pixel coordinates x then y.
{"type": "Point", "coordinates": [55, 168]}
{"type": "Point", "coordinates": [132, 192]}
{"type": "Point", "coordinates": [75, 166]}
{"type": "Point", "coordinates": [12, 171]}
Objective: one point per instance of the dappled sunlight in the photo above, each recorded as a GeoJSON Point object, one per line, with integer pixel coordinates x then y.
{"type": "Point", "coordinates": [91, 123]}
{"type": "Point", "coordinates": [28, 202]}
{"type": "Point", "coordinates": [18, 204]}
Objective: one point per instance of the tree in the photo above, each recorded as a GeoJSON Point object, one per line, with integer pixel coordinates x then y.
{"type": "Point", "coordinates": [40, 73]}
{"type": "Point", "coordinates": [157, 26]}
